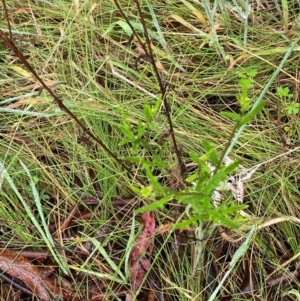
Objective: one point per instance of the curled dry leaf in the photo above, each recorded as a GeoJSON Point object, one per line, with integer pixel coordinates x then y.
{"type": "Point", "coordinates": [19, 267]}
{"type": "Point", "coordinates": [139, 263]}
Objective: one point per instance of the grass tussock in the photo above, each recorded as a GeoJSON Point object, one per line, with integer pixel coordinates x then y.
{"type": "Point", "coordinates": [84, 51]}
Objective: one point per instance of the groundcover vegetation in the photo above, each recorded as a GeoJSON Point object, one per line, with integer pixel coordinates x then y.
{"type": "Point", "coordinates": [149, 150]}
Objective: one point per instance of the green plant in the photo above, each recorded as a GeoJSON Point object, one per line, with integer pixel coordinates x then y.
{"type": "Point", "coordinates": [42, 193]}
{"type": "Point", "coordinates": [245, 83]}
{"type": "Point", "coordinates": [291, 108]}
{"type": "Point", "coordinates": [197, 190]}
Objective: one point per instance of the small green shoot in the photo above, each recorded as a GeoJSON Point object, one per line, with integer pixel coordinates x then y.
{"type": "Point", "coordinates": [245, 83]}
{"type": "Point", "coordinates": [284, 93]}
{"type": "Point", "coordinates": [292, 108]}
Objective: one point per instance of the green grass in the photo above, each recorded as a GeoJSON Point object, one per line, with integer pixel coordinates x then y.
{"type": "Point", "coordinates": [202, 47]}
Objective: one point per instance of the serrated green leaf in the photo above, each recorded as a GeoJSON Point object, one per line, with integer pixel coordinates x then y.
{"type": "Point", "coordinates": [252, 72]}
{"type": "Point", "coordinates": [293, 108]}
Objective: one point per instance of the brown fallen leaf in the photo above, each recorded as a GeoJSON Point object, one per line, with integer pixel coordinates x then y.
{"type": "Point", "coordinates": [19, 267]}
{"type": "Point", "coordinates": [139, 264]}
